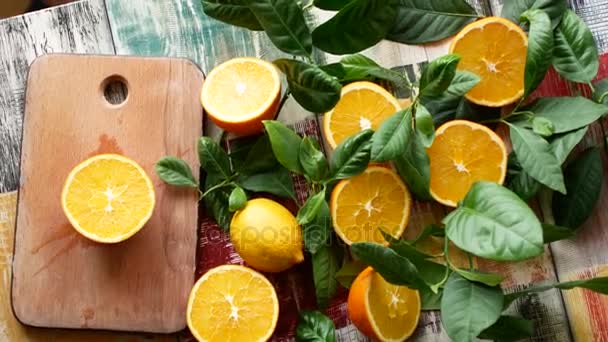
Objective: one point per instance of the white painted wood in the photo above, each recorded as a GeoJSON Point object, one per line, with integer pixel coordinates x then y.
{"type": "Point", "coordinates": [80, 27]}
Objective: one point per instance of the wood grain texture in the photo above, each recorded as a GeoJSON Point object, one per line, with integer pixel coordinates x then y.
{"type": "Point", "coordinates": [80, 27]}
{"type": "Point", "coordinates": [10, 328]}
{"type": "Point", "coordinates": [62, 279]}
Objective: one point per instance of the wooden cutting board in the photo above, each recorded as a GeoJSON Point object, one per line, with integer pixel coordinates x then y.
{"type": "Point", "coordinates": [61, 279]}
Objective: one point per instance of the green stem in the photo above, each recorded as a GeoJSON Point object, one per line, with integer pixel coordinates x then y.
{"type": "Point", "coordinates": [603, 97]}
{"type": "Point", "coordinates": [591, 87]}
{"type": "Point", "coordinates": [224, 184]}
{"type": "Point", "coordinates": [506, 117]}
{"type": "Point", "coordinates": [447, 265]}
{"type": "Point", "coordinates": [283, 100]}
{"type": "Point", "coordinates": [470, 261]}
{"type": "Point", "coordinates": [546, 199]}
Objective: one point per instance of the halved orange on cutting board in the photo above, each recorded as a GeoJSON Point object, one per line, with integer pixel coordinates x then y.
{"type": "Point", "coordinates": [463, 153]}
{"type": "Point", "coordinates": [363, 205]}
{"type": "Point", "coordinates": [108, 198]}
{"type": "Point", "coordinates": [232, 303]}
{"type": "Point", "coordinates": [240, 93]}
{"type": "Point", "coordinates": [494, 49]}
{"type": "Point", "coordinates": [383, 311]}
{"type": "Point", "coordinates": [362, 105]}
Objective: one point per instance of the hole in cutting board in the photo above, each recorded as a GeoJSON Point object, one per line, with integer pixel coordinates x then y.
{"type": "Point", "coordinates": [115, 90]}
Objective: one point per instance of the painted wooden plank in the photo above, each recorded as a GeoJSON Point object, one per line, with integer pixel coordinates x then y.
{"type": "Point", "coordinates": [80, 27]}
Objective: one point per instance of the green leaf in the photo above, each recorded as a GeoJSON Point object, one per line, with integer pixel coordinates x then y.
{"type": "Point", "coordinates": [584, 185]}
{"type": "Point", "coordinates": [277, 182]}
{"type": "Point", "coordinates": [438, 75]}
{"type": "Point", "coordinates": [552, 233]}
{"type": "Point", "coordinates": [213, 158]}
{"type": "Point", "coordinates": [429, 230]}
{"type": "Point", "coordinates": [313, 88]}
{"type": "Point", "coordinates": [311, 209]}
{"type": "Point", "coordinates": [424, 21]}
{"type": "Point", "coordinates": [468, 308]}
{"type": "Point", "coordinates": [285, 142]}
{"type": "Point", "coordinates": [513, 9]}
{"type": "Point", "coordinates": [563, 144]}
{"type": "Point", "coordinates": [425, 126]}
{"type": "Point", "coordinates": [600, 95]}
{"type": "Point", "coordinates": [175, 171]}
{"type": "Point", "coordinates": [312, 160]}
{"type": "Point", "coordinates": [216, 202]}
{"type": "Point", "coordinates": [237, 199]}
{"type": "Point", "coordinates": [493, 223]}
{"type": "Point", "coordinates": [598, 284]}
{"type": "Point", "coordinates": [349, 271]}
{"type": "Point", "coordinates": [413, 166]}
{"type": "Point", "coordinates": [233, 12]}
{"type": "Point", "coordinates": [568, 113]}
{"type": "Point", "coordinates": [359, 25]}
{"type": "Point", "coordinates": [519, 181]}
{"type": "Point", "coordinates": [490, 279]}
{"type": "Point", "coordinates": [358, 67]}
{"type": "Point", "coordinates": [331, 5]}
{"type": "Point", "coordinates": [536, 158]}
{"type": "Point", "coordinates": [430, 272]}
{"type": "Point", "coordinates": [540, 45]}
{"type": "Point", "coordinates": [542, 126]}
{"type": "Point", "coordinates": [508, 328]}
{"type": "Point", "coordinates": [575, 55]}
{"type": "Point", "coordinates": [313, 326]}
{"type": "Point", "coordinates": [352, 156]}
{"type": "Point", "coordinates": [259, 158]}
{"type": "Point", "coordinates": [443, 107]}
{"type": "Point", "coordinates": [430, 300]}
{"type": "Point", "coordinates": [325, 265]}
{"type": "Point", "coordinates": [392, 267]}
{"type": "Point", "coordinates": [318, 231]}
{"type": "Point", "coordinates": [284, 23]}
{"type": "Point", "coordinates": [392, 137]}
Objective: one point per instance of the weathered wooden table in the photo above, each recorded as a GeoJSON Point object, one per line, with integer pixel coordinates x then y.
{"type": "Point", "coordinates": [179, 28]}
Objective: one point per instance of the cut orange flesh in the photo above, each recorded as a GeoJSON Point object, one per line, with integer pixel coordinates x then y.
{"type": "Point", "coordinates": [494, 49]}
{"type": "Point", "coordinates": [108, 198]}
{"type": "Point", "coordinates": [463, 153]}
{"type": "Point", "coordinates": [240, 93]}
{"type": "Point", "coordinates": [383, 311]}
{"type": "Point", "coordinates": [362, 105]}
{"type": "Point", "coordinates": [363, 205]}
{"type": "Point", "coordinates": [232, 303]}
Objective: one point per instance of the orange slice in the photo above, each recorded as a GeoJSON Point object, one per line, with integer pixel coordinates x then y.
{"type": "Point", "coordinates": [108, 198]}
{"type": "Point", "coordinates": [463, 153]}
{"type": "Point", "coordinates": [494, 49]}
{"type": "Point", "coordinates": [232, 303]}
{"type": "Point", "coordinates": [240, 93]}
{"type": "Point", "coordinates": [383, 311]}
{"type": "Point", "coordinates": [364, 204]}
{"type": "Point", "coordinates": [362, 105]}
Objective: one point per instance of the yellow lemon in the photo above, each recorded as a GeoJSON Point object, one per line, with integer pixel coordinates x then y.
{"type": "Point", "coordinates": [267, 236]}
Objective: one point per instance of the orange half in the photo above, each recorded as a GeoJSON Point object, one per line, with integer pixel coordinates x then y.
{"type": "Point", "coordinates": [362, 105]}
{"type": "Point", "coordinates": [364, 204]}
{"type": "Point", "coordinates": [383, 311]}
{"type": "Point", "coordinates": [232, 303]}
{"type": "Point", "coordinates": [463, 153]}
{"type": "Point", "coordinates": [108, 198]}
{"type": "Point", "coordinates": [494, 49]}
{"type": "Point", "coordinates": [240, 93]}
